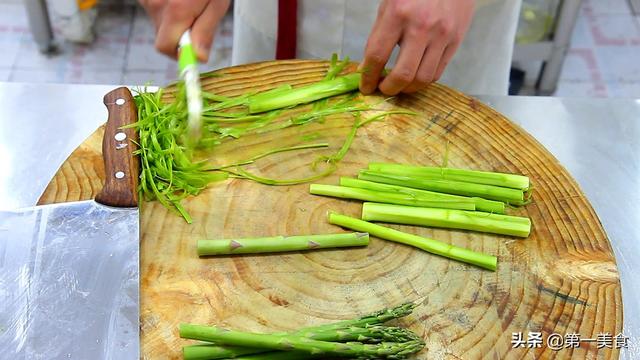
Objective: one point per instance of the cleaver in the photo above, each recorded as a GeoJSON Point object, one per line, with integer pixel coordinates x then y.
{"type": "Point", "coordinates": [69, 285]}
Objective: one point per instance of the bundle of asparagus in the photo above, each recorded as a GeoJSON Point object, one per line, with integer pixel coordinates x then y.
{"type": "Point", "coordinates": [363, 338]}
{"type": "Point", "coordinates": [435, 197]}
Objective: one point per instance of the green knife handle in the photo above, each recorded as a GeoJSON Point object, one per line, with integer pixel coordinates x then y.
{"type": "Point", "coordinates": [121, 166]}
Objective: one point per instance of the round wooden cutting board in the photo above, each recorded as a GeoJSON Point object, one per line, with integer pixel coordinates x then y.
{"type": "Point", "coordinates": [562, 279]}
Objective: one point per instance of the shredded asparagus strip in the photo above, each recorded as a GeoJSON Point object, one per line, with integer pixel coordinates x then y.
{"type": "Point", "coordinates": [433, 246]}
{"type": "Point", "coordinates": [270, 152]}
{"type": "Point", "coordinates": [265, 102]}
{"type": "Point", "coordinates": [447, 218]}
{"type": "Point", "coordinates": [169, 171]}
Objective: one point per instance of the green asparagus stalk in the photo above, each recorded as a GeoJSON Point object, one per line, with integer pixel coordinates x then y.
{"type": "Point", "coordinates": [392, 198]}
{"type": "Point", "coordinates": [276, 355]}
{"type": "Point", "coordinates": [508, 195]}
{"type": "Point", "coordinates": [371, 334]}
{"type": "Point", "coordinates": [368, 333]}
{"type": "Point", "coordinates": [444, 173]}
{"type": "Point", "coordinates": [280, 243]}
{"type": "Point", "coordinates": [298, 343]}
{"type": "Point", "coordinates": [491, 206]}
{"type": "Point", "coordinates": [377, 317]}
{"type": "Point", "coordinates": [200, 352]}
{"type": "Point", "coordinates": [447, 218]}
{"type": "Point", "coordinates": [433, 246]}
{"type": "Point", "coordinates": [340, 85]}
{"type": "Point", "coordinates": [207, 351]}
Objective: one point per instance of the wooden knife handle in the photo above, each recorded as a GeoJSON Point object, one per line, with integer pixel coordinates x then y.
{"type": "Point", "coordinates": [121, 166]}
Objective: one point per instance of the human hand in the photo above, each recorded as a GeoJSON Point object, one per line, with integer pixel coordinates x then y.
{"type": "Point", "coordinates": [174, 17]}
{"type": "Point", "coordinates": [428, 32]}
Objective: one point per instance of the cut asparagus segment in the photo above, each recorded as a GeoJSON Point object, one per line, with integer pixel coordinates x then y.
{"type": "Point", "coordinates": [267, 101]}
{"type": "Point", "coordinates": [508, 195]}
{"type": "Point", "coordinates": [280, 243]}
{"type": "Point", "coordinates": [447, 218]}
{"type": "Point", "coordinates": [376, 318]}
{"type": "Point", "coordinates": [490, 206]}
{"type": "Point", "coordinates": [473, 176]}
{"type": "Point", "coordinates": [433, 246]}
{"type": "Point", "coordinates": [425, 200]}
{"type": "Point", "coordinates": [298, 343]}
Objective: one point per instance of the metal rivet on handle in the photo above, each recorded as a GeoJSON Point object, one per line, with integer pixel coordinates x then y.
{"type": "Point", "coordinates": [119, 101]}
{"type": "Point", "coordinates": [119, 175]}
{"type": "Point", "coordinates": [120, 136]}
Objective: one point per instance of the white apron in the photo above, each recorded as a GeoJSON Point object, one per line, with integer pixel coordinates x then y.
{"type": "Point", "coordinates": [480, 66]}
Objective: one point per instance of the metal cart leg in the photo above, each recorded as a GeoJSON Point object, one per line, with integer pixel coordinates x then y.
{"type": "Point", "coordinates": [635, 6]}
{"type": "Point", "coordinates": [561, 41]}
{"type": "Point", "coordinates": [40, 25]}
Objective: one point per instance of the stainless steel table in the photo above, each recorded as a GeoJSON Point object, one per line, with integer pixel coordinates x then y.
{"type": "Point", "coordinates": [597, 140]}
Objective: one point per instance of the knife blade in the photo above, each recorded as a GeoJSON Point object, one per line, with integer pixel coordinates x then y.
{"type": "Point", "coordinates": [69, 272]}
{"type": "Point", "coordinates": [188, 67]}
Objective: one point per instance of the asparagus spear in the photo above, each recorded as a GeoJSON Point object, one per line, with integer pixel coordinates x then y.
{"type": "Point", "coordinates": [447, 218]}
{"type": "Point", "coordinates": [369, 334]}
{"type": "Point", "coordinates": [207, 351]}
{"type": "Point", "coordinates": [276, 355]}
{"type": "Point", "coordinates": [444, 173]}
{"type": "Point", "coordinates": [265, 101]}
{"type": "Point", "coordinates": [200, 352]}
{"type": "Point", "coordinates": [491, 206]}
{"type": "Point", "coordinates": [280, 243]}
{"type": "Point", "coordinates": [425, 200]}
{"type": "Point", "coordinates": [298, 343]}
{"type": "Point", "coordinates": [433, 246]}
{"type": "Point", "coordinates": [508, 195]}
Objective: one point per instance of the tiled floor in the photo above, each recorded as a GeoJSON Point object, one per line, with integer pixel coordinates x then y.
{"type": "Point", "coordinates": [122, 52]}
{"type": "Point", "coordinates": [602, 61]}
{"type": "Point", "coordinates": [605, 48]}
